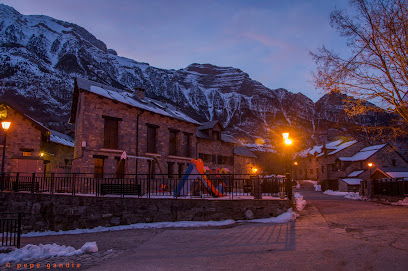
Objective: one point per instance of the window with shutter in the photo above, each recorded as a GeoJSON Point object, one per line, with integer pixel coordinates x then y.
{"type": "Point", "coordinates": [173, 142]}
{"type": "Point", "coordinates": [99, 165]}
{"type": "Point", "coordinates": [111, 133]}
{"type": "Point", "coordinates": [186, 145]}
{"type": "Point", "coordinates": [151, 139]}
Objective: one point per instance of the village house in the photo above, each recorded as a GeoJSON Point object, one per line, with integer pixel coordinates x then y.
{"type": "Point", "coordinates": [30, 146]}
{"type": "Point", "coordinates": [109, 122]}
{"type": "Point", "coordinates": [342, 165]}
{"type": "Point", "coordinates": [386, 182]}
{"type": "Point", "coordinates": [319, 162]}
{"type": "Point", "coordinates": [245, 161]}
{"type": "Point", "coordinates": [156, 137]}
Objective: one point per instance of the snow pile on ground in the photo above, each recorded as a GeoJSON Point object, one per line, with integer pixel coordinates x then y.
{"type": "Point", "coordinates": [317, 186]}
{"type": "Point", "coordinates": [403, 202]}
{"type": "Point", "coordinates": [283, 218]}
{"type": "Point", "coordinates": [300, 202]}
{"type": "Point", "coordinates": [34, 252]}
{"type": "Point", "coordinates": [298, 185]}
{"type": "Point", "coordinates": [348, 195]}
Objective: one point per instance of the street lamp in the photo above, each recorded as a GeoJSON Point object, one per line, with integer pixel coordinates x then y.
{"type": "Point", "coordinates": [5, 125]}
{"type": "Point", "coordinates": [370, 165]}
{"type": "Point", "coordinates": [287, 142]}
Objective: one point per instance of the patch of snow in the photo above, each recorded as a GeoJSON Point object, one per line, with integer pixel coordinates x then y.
{"type": "Point", "coordinates": [34, 252]}
{"type": "Point", "coordinates": [403, 202]}
{"type": "Point", "coordinates": [348, 195]}
{"type": "Point", "coordinates": [355, 173]}
{"type": "Point", "coordinates": [352, 181]}
{"type": "Point", "coordinates": [317, 186]}
{"type": "Point", "coordinates": [283, 218]}
{"type": "Point", "coordinates": [300, 202]}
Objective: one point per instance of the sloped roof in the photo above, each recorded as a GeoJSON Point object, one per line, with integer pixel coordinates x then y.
{"type": "Point", "coordinates": [355, 173]}
{"type": "Point", "coordinates": [127, 98]}
{"type": "Point", "coordinates": [243, 151]}
{"type": "Point", "coordinates": [62, 139]}
{"type": "Point", "coordinates": [394, 172]}
{"type": "Point", "coordinates": [210, 125]}
{"type": "Point", "coordinates": [363, 154]}
{"type": "Point", "coordinates": [224, 137]}
{"type": "Point", "coordinates": [332, 146]}
{"type": "Point", "coordinates": [352, 181]}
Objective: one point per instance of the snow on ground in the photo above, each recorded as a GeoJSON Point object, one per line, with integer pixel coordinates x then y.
{"type": "Point", "coordinates": [300, 202]}
{"type": "Point", "coordinates": [317, 186]}
{"type": "Point", "coordinates": [403, 202]}
{"type": "Point", "coordinates": [348, 195]}
{"type": "Point", "coordinates": [34, 252]}
{"type": "Point", "coordinates": [283, 218]}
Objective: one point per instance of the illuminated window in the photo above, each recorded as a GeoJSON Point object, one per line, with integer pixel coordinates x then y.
{"type": "Point", "coordinates": [26, 153]}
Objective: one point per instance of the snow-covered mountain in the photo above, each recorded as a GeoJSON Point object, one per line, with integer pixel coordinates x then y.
{"type": "Point", "coordinates": [40, 57]}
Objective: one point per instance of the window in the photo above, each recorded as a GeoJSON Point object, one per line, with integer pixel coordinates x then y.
{"type": "Point", "coordinates": [180, 170]}
{"type": "Point", "coordinates": [111, 130]}
{"type": "Point", "coordinates": [216, 135]}
{"type": "Point", "coordinates": [152, 138]}
{"type": "Point", "coordinates": [26, 153]}
{"type": "Point", "coordinates": [173, 142]}
{"type": "Point", "coordinates": [322, 169]}
{"type": "Point", "coordinates": [170, 169]}
{"type": "Point", "coordinates": [220, 159]}
{"type": "Point", "coordinates": [394, 162]}
{"type": "Point", "coordinates": [99, 165]}
{"type": "Point", "coordinates": [214, 159]}
{"type": "Point", "coordinates": [187, 144]}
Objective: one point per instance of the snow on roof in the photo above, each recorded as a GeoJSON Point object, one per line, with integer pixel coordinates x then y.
{"type": "Point", "coordinates": [352, 181]}
{"type": "Point", "coordinates": [397, 174]}
{"type": "Point", "coordinates": [62, 139]}
{"type": "Point", "coordinates": [208, 125]}
{"type": "Point", "coordinates": [363, 154]}
{"type": "Point", "coordinates": [355, 173]}
{"type": "Point", "coordinates": [126, 97]}
{"type": "Point", "coordinates": [243, 151]}
{"type": "Point", "coordinates": [334, 146]}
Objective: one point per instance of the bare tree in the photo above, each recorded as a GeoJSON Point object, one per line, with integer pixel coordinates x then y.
{"type": "Point", "coordinates": [377, 67]}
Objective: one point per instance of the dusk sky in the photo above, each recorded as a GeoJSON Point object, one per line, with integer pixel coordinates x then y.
{"type": "Point", "coordinates": [269, 40]}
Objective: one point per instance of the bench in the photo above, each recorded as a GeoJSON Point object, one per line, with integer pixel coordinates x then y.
{"type": "Point", "coordinates": [121, 189]}
{"type": "Point", "coordinates": [26, 186]}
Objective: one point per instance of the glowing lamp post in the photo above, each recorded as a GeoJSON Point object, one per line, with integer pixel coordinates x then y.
{"type": "Point", "coordinates": [370, 165]}
{"type": "Point", "coordinates": [5, 125]}
{"type": "Point", "coordinates": [288, 142]}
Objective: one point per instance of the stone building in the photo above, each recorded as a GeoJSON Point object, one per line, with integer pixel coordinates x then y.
{"type": "Point", "coordinates": [344, 164]}
{"type": "Point", "coordinates": [156, 137]}
{"type": "Point", "coordinates": [244, 161]}
{"type": "Point", "coordinates": [110, 121]}
{"type": "Point", "coordinates": [214, 147]}
{"type": "Point", "coordinates": [30, 146]}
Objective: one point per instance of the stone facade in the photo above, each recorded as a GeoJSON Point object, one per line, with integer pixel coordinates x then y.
{"type": "Point", "coordinates": [91, 112]}
{"type": "Point", "coordinates": [214, 150]}
{"type": "Point", "coordinates": [43, 212]}
{"type": "Point", "coordinates": [23, 144]}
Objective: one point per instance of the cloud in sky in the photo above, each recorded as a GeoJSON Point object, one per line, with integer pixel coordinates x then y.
{"type": "Point", "coordinates": [269, 40]}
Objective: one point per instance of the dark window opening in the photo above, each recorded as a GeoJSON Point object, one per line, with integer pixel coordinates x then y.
{"type": "Point", "coordinates": [201, 156]}
{"type": "Point", "coordinates": [394, 162]}
{"type": "Point", "coordinates": [180, 170]}
{"type": "Point", "coordinates": [220, 159]}
{"type": "Point", "coordinates": [214, 159]}
{"type": "Point", "coordinates": [111, 130]}
{"type": "Point", "coordinates": [99, 165]}
{"type": "Point", "coordinates": [170, 169]}
{"type": "Point", "coordinates": [186, 145]}
{"type": "Point", "coordinates": [151, 139]}
{"type": "Point", "coordinates": [173, 142]}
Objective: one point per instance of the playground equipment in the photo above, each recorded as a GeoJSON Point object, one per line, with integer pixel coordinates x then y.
{"type": "Point", "coordinates": [195, 172]}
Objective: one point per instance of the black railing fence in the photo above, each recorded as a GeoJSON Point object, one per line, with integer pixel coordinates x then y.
{"type": "Point", "coordinates": [390, 187]}
{"type": "Point", "coordinates": [145, 185]}
{"type": "Point", "coordinates": [10, 229]}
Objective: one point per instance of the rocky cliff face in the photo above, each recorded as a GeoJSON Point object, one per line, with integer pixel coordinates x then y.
{"type": "Point", "coordinates": [40, 57]}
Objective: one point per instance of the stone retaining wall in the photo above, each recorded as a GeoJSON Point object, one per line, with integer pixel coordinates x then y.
{"type": "Point", "coordinates": [43, 212]}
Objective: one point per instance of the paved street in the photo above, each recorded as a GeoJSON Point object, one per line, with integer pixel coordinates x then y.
{"type": "Point", "coordinates": [332, 233]}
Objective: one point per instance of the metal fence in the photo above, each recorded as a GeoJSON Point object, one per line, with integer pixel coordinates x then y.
{"type": "Point", "coordinates": [145, 185]}
{"type": "Point", "coordinates": [10, 229]}
{"type": "Point", "coordinates": [390, 187]}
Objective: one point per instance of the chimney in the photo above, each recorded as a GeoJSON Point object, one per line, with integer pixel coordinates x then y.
{"type": "Point", "coordinates": [140, 92]}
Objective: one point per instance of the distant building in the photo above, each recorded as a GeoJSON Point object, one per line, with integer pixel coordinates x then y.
{"type": "Point", "coordinates": [245, 161]}
{"type": "Point", "coordinates": [31, 147]}
{"type": "Point", "coordinates": [344, 164]}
